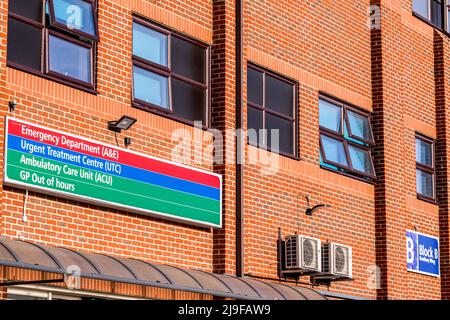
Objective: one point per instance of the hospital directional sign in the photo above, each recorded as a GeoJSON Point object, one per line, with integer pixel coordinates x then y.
{"type": "Point", "coordinates": [50, 161]}
{"type": "Point", "coordinates": [422, 253]}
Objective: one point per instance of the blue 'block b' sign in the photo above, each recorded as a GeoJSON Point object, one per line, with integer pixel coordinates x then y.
{"type": "Point", "coordinates": [422, 253]}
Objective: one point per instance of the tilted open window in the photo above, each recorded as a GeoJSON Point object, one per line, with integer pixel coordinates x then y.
{"type": "Point", "coordinates": [74, 16]}
{"type": "Point", "coordinates": [55, 39]}
{"type": "Point", "coordinates": [346, 139]}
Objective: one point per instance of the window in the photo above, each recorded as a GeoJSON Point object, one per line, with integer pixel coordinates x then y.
{"type": "Point", "coordinates": [346, 139]}
{"type": "Point", "coordinates": [54, 38]}
{"type": "Point", "coordinates": [425, 175]}
{"type": "Point", "coordinates": [271, 106]}
{"type": "Point", "coordinates": [75, 16]}
{"type": "Point", "coordinates": [170, 73]}
{"type": "Point", "coordinates": [435, 11]}
{"type": "Point", "coordinates": [69, 58]}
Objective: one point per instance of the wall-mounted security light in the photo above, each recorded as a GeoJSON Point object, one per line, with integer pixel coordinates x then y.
{"type": "Point", "coordinates": [123, 123]}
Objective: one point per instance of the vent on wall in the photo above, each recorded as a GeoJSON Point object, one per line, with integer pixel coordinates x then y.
{"type": "Point", "coordinates": [303, 253]}
{"type": "Point", "coordinates": [323, 263]}
{"type": "Point", "coordinates": [337, 260]}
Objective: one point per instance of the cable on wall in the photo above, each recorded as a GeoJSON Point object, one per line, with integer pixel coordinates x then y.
{"type": "Point", "coordinates": [25, 201]}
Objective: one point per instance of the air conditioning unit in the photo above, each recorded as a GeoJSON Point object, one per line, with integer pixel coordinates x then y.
{"type": "Point", "coordinates": [337, 260]}
{"type": "Point", "coordinates": [303, 253]}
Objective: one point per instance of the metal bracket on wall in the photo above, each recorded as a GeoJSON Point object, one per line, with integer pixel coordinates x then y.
{"type": "Point", "coordinates": [297, 274]}
{"type": "Point", "coordinates": [327, 280]}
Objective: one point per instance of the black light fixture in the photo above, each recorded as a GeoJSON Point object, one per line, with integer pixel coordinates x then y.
{"type": "Point", "coordinates": [127, 141]}
{"type": "Point", "coordinates": [123, 123]}
{"type": "Point", "coordinates": [12, 105]}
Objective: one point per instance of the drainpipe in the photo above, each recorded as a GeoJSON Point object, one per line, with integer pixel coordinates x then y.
{"type": "Point", "coordinates": [240, 144]}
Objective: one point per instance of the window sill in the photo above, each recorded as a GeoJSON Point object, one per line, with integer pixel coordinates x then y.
{"type": "Point", "coordinates": [167, 115]}
{"type": "Point", "coordinates": [427, 199]}
{"type": "Point", "coordinates": [52, 78]}
{"type": "Point", "coordinates": [348, 175]}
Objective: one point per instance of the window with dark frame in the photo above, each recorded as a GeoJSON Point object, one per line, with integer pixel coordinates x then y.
{"type": "Point", "coordinates": [170, 73]}
{"type": "Point", "coordinates": [55, 39]}
{"type": "Point", "coordinates": [346, 139]}
{"type": "Point", "coordinates": [271, 105]}
{"type": "Point", "coordinates": [425, 168]}
{"type": "Point", "coordinates": [436, 12]}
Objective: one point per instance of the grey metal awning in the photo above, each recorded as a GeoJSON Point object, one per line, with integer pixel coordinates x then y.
{"type": "Point", "coordinates": [26, 255]}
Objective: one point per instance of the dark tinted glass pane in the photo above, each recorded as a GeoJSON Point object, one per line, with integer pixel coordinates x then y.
{"type": "Point", "coordinates": [255, 121]}
{"type": "Point", "coordinates": [188, 60]}
{"type": "Point", "coordinates": [424, 183]}
{"type": "Point", "coordinates": [75, 14]}
{"type": "Point", "coordinates": [255, 86]}
{"type": "Point", "coordinates": [421, 7]}
{"type": "Point", "coordinates": [24, 44]}
{"type": "Point", "coordinates": [334, 150]}
{"type": "Point", "coordinates": [150, 87]}
{"type": "Point", "coordinates": [285, 134]}
{"type": "Point", "coordinates": [361, 159]}
{"type": "Point", "coordinates": [330, 116]}
{"type": "Point", "coordinates": [436, 12]}
{"type": "Point", "coordinates": [424, 152]}
{"type": "Point", "coordinates": [31, 9]}
{"type": "Point", "coordinates": [69, 59]}
{"type": "Point", "coordinates": [448, 19]}
{"type": "Point", "coordinates": [279, 96]}
{"type": "Point", "coordinates": [188, 101]}
{"type": "Point", "coordinates": [360, 126]}
{"type": "Point", "coordinates": [150, 44]}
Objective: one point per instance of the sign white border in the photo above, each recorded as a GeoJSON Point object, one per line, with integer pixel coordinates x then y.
{"type": "Point", "coordinates": [439, 248]}
{"type": "Point", "coordinates": [89, 200]}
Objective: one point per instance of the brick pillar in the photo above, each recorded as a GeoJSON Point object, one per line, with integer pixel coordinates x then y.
{"type": "Point", "coordinates": [388, 104]}
{"type": "Point", "coordinates": [4, 96]}
{"type": "Point", "coordinates": [3, 290]}
{"type": "Point", "coordinates": [223, 118]}
{"type": "Point", "coordinates": [377, 124]}
{"type": "Point", "coordinates": [409, 84]}
{"type": "Point", "coordinates": [442, 78]}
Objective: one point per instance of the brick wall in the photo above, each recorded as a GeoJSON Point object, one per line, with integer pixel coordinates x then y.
{"type": "Point", "coordinates": [442, 154]}
{"type": "Point", "coordinates": [304, 42]}
{"type": "Point", "coordinates": [86, 227]}
{"type": "Point", "coordinates": [223, 118]}
{"type": "Point", "coordinates": [3, 290]}
{"type": "Point", "coordinates": [4, 98]}
{"type": "Point", "coordinates": [404, 103]}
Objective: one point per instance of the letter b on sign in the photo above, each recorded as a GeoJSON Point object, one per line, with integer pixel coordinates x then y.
{"type": "Point", "coordinates": [409, 251]}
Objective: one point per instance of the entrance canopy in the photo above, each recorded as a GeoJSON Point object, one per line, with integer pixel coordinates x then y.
{"type": "Point", "coordinates": [31, 256]}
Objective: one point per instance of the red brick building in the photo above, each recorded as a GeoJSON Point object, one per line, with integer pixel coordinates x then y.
{"type": "Point", "coordinates": [359, 91]}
